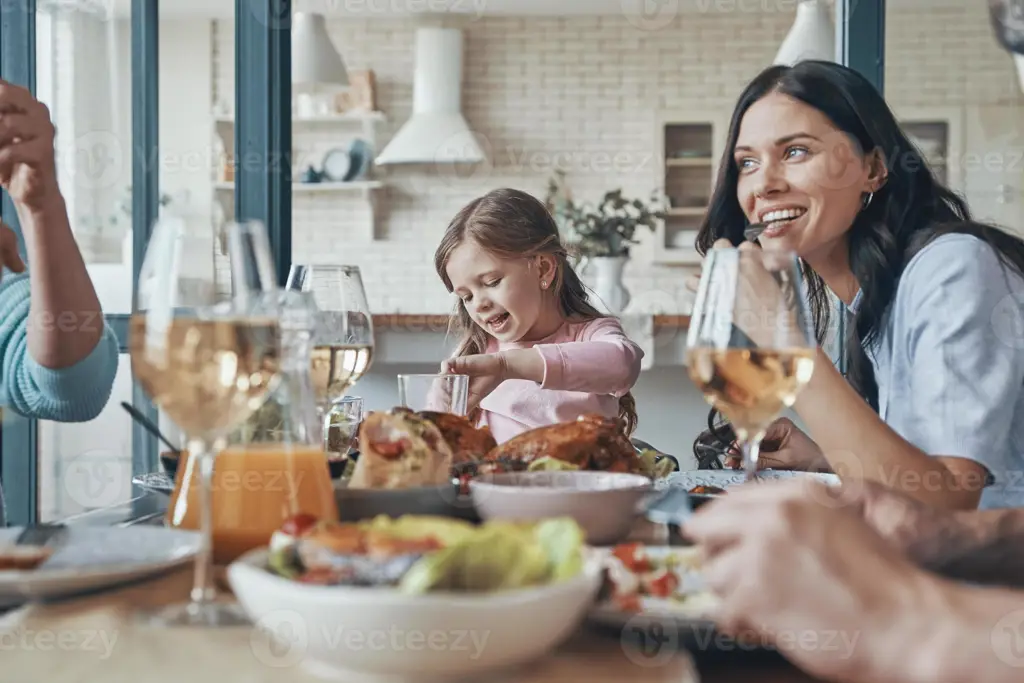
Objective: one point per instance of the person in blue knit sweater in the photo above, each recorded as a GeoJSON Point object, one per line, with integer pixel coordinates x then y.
{"type": "Point", "coordinates": [58, 358]}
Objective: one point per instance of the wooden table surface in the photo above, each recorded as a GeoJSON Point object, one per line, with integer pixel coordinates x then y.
{"type": "Point", "coordinates": [97, 638]}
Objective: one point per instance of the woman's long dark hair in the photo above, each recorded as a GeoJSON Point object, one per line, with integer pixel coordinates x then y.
{"type": "Point", "coordinates": [910, 209]}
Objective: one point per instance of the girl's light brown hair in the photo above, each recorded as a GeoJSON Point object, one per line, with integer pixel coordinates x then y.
{"type": "Point", "coordinates": [513, 224]}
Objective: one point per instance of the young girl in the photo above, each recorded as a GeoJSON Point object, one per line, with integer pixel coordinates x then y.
{"type": "Point", "coordinates": [536, 350]}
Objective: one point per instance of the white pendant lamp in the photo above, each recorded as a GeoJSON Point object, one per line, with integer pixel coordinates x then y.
{"type": "Point", "coordinates": [317, 67]}
{"type": "Point", "coordinates": [812, 36]}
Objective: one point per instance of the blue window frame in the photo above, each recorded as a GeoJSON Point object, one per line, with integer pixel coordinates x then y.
{"type": "Point", "coordinates": [263, 187]}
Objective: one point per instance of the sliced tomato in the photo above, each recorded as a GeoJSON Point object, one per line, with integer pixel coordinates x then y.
{"type": "Point", "coordinates": [662, 584]}
{"type": "Point", "coordinates": [391, 449]}
{"type": "Point", "coordinates": [632, 557]}
{"type": "Point", "coordinates": [299, 524]}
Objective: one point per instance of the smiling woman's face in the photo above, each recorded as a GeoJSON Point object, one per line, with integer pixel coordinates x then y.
{"type": "Point", "coordinates": [800, 174]}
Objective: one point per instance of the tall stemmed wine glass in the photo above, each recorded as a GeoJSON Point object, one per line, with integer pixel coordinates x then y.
{"type": "Point", "coordinates": [208, 357]}
{"type": "Point", "coordinates": [342, 341]}
{"type": "Point", "coordinates": [750, 347]}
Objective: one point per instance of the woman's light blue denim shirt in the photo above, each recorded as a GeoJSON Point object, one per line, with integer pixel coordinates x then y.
{"type": "Point", "coordinates": [949, 361]}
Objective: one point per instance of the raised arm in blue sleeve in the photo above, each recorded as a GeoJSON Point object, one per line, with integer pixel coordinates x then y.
{"type": "Point", "coordinates": [76, 393]}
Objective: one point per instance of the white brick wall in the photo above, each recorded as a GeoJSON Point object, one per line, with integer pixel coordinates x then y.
{"type": "Point", "coordinates": [586, 89]}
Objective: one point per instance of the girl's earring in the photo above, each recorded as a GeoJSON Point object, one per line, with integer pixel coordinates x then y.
{"type": "Point", "coordinates": [867, 200]}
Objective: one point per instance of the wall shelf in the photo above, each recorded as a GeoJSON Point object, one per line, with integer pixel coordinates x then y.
{"type": "Point", "coordinates": [320, 128]}
{"type": "Point", "coordinates": [691, 143]}
{"type": "Point", "coordinates": [353, 117]}
{"type": "Point", "coordinates": [352, 186]}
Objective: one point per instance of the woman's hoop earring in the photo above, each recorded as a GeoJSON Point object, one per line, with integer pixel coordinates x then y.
{"type": "Point", "coordinates": [867, 200]}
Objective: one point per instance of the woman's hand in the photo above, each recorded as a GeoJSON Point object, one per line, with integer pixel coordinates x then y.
{"type": "Point", "coordinates": [793, 561]}
{"type": "Point", "coordinates": [784, 447]}
{"type": "Point", "coordinates": [28, 169]}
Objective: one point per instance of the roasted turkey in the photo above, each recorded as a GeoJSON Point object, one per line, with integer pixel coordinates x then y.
{"type": "Point", "coordinates": [468, 443]}
{"type": "Point", "coordinates": [591, 442]}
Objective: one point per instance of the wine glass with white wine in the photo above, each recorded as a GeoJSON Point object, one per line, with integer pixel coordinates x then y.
{"type": "Point", "coordinates": [750, 346]}
{"type": "Point", "coordinates": [208, 357]}
{"type": "Point", "coordinates": [343, 342]}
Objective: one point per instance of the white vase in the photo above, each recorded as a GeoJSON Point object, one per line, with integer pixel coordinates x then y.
{"type": "Point", "coordinates": [612, 296]}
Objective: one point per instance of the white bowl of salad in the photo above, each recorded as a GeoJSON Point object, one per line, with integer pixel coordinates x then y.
{"type": "Point", "coordinates": [415, 596]}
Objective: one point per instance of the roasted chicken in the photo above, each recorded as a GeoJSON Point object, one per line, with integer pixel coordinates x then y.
{"type": "Point", "coordinates": [590, 443]}
{"type": "Point", "coordinates": [468, 443]}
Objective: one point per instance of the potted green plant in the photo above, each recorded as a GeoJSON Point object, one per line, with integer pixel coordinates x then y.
{"type": "Point", "coordinates": [601, 234]}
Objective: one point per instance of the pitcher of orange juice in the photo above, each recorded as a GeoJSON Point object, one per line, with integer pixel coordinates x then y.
{"type": "Point", "coordinates": [274, 466]}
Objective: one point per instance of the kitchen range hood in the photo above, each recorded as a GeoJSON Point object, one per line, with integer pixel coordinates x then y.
{"type": "Point", "coordinates": [436, 132]}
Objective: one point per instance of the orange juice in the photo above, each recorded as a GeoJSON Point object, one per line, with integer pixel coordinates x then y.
{"type": "Point", "coordinates": [255, 488]}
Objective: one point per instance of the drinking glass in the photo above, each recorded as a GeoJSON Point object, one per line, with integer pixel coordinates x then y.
{"type": "Point", "coordinates": [750, 347]}
{"type": "Point", "coordinates": [208, 357]}
{"type": "Point", "coordinates": [343, 337]}
{"type": "Point", "coordinates": [442, 393]}
{"type": "Point", "coordinates": [341, 426]}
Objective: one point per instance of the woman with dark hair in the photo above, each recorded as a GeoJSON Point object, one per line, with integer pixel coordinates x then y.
{"type": "Point", "coordinates": [934, 399]}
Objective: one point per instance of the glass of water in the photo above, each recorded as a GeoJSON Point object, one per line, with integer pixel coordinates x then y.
{"type": "Point", "coordinates": [440, 393]}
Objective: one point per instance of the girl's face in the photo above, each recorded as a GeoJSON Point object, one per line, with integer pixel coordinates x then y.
{"type": "Point", "coordinates": [801, 175]}
{"type": "Point", "coordinates": [505, 297]}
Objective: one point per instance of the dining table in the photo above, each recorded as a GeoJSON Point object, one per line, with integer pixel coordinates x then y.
{"type": "Point", "coordinates": [101, 637]}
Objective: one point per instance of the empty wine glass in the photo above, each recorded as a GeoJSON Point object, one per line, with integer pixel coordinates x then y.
{"type": "Point", "coordinates": [750, 347]}
{"type": "Point", "coordinates": [208, 357]}
{"type": "Point", "coordinates": [343, 339]}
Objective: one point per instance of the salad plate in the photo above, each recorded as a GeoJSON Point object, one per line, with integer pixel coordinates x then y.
{"type": "Point", "coordinates": [400, 597]}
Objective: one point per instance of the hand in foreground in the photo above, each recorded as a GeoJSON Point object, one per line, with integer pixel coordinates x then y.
{"type": "Point", "coordinates": [794, 563]}
{"type": "Point", "coordinates": [785, 447]}
{"type": "Point", "coordinates": [486, 371]}
{"type": "Point", "coordinates": [27, 165]}
{"type": "Point", "coordinates": [929, 536]}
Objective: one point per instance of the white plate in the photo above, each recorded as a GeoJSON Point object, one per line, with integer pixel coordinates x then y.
{"type": "Point", "coordinates": [726, 478]}
{"type": "Point", "coordinates": [97, 557]}
{"type": "Point", "coordinates": [663, 625]}
{"type": "Point", "coordinates": [698, 607]}
{"type": "Point", "coordinates": [338, 630]}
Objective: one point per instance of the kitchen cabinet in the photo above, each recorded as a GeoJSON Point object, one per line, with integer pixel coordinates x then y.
{"type": "Point", "coordinates": [690, 147]}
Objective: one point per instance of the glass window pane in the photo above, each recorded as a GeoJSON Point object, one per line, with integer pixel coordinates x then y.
{"type": "Point", "coordinates": [958, 95]}
{"type": "Point", "coordinates": [87, 465]}
{"type": "Point", "coordinates": [83, 76]}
